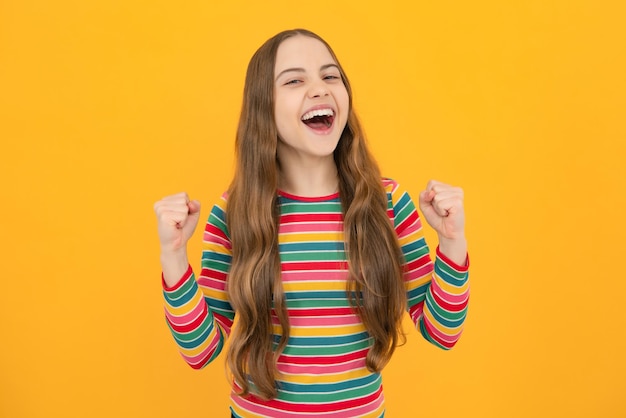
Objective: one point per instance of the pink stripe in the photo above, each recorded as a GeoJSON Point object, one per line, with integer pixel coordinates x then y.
{"type": "Point", "coordinates": [335, 408]}
{"type": "Point", "coordinates": [318, 227]}
{"type": "Point", "coordinates": [310, 217]}
{"type": "Point", "coordinates": [326, 321]}
{"type": "Point", "coordinates": [263, 411]}
{"type": "Point", "coordinates": [313, 266]}
{"type": "Point", "coordinates": [451, 339]}
{"type": "Point", "coordinates": [413, 228]}
{"type": "Point", "coordinates": [187, 317]}
{"type": "Point", "coordinates": [204, 354]}
{"type": "Point", "coordinates": [224, 322]}
{"type": "Point", "coordinates": [365, 409]}
{"type": "Point", "coordinates": [417, 311]}
{"type": "Point", "coordinates": [322, 275]}
{"type": "Point", "coordinates": [349, 366]}
{"type": "Point", "coordinates": [424, 260]}
{"type": "Point", "coordinates": [212, 238]}
{"type": "Point", "coordinates": [449, 297]}
{"type": "Point", "coordinates": [214, 284]}
{"type": "Point", "coordinates": [419, 272]}
{"type": "Point", "coordinates": [272, 412]}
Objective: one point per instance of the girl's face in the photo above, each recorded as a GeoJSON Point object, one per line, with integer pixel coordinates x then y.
{"type": "Point", "coordinates": [311, 101]}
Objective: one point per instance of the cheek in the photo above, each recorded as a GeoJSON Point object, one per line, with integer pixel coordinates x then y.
{"type": "Point", "coordinates": [283, 127]}
{"type": "Point", "coordinates": [344, 104]}
{"type": "Point", "coordinates": [343, 99]}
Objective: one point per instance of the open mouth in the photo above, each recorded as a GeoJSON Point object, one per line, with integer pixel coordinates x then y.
{"type": "Point", "coordinates": [319, 119]}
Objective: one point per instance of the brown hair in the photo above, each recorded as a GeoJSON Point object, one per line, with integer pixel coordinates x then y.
{"type": "Point", "coordinates": [375, 287]}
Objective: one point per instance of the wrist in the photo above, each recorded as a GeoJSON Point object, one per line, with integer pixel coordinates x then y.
{"type": "Point", "coordinates": [454, 249]}
{"type": "Point", "coordinates": [174, 264]}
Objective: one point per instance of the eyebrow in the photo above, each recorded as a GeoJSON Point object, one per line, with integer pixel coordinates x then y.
{"type": "Point", "coordinates": [302, 70]}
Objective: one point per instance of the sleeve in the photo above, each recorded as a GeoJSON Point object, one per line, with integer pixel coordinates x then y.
{"type": "Point", "coordinates": [437, 293]}
{"type": "Point", "coordinates": [198, 312]}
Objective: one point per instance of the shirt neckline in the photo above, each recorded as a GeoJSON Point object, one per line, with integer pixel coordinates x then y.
{"type": "Point", "coordinates": [308, 198]}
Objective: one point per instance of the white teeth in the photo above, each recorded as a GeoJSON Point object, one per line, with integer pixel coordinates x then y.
{"type": "Point", "coordinates": [317, 112]}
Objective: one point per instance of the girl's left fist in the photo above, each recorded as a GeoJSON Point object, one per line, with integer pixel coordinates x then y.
{"type": "Point", "coordinates": [442, 207]}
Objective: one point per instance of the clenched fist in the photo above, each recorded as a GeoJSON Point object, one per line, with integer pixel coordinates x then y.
{"type": "Point", "coordinates": [442, 207]}
{"type": "Point", "coordinates": [177, 218]}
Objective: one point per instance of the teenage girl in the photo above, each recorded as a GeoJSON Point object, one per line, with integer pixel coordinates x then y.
{"type": "Point", "coordinates": [311, 258]}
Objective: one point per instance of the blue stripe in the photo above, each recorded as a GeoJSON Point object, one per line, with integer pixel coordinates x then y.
{"type": "Point", "coordinates": [211, 256]}
{"type": "Point", "coordinates": [402, 203]}
{"type": "Point", "coordinates": [329, 387]}
{"type": "Point", "coordinates": [447, 277]}
{"type": "Point", "coordinates": [312, 246]}
{"type": "Point", "coordinates": [418, 291]}
{"type": "Point", "coordinates": [414, 246]}
{"type": "Point", "coordinates": [196, 341]}
{"type": "Point", "coordinates": [325, 341]}
{"type": "Point", "coordinates": [183, 295]}
{"type": "Point", "coordinates": [427, 336]}
{"type": "Point", "coordinates": [217, 304]}
{"type": "Point", "coordinates": [444, 321]}
{"type": "Point", "coordinates": [299, 295]}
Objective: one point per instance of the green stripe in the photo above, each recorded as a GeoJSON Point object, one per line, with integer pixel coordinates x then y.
{"type": "Point", "coordinates": [449, 274]}
{"type": "Point", "coordinates": [424, 332]}
{"type": "Point", "coordinates": [222, 267]}
{"type": "Point", "coordinates": [415, 254]}
{"type": "Point", "coordinates": [404, 214]}
{"type": "Point", "coordinates": [447, 315]}
{"type": "Point", "coordinates": [310, 397]}
{"type": "Point", "coordinates": [310, 207]}
{"type": "Point", "coordinates": [317, 303]}
{"type": "Point", "coordinates": [314, 256]}
{"type": "Point", "coordinates": [330, 350]}
{"type": "Point", "coordinates": [183, 294]}
{"type": "Point", "coordinates": [190, 336]}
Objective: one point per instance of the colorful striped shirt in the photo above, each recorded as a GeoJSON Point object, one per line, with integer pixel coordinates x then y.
{"type": "Point", "coordinates": [322, 369]}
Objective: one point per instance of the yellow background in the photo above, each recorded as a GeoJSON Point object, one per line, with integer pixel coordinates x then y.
{"type": "Point", "coordinates": [107, 106]}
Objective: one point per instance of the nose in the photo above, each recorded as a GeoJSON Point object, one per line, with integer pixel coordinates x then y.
{"type": "Point", "coordinates": [318, 89]}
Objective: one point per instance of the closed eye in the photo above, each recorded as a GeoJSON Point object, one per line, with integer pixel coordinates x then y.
{"type": "Point", "coordinates": [293, 82]}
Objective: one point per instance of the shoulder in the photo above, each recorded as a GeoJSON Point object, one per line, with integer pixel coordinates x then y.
{"type": "Point", "coordinates": [401, 208]}
{"type": "Point", "coordinates": [398, 198]}
{"type": "Point", "coordinates": [395, 192]}
{"type": "Point", "coordinates": [221, 201]}
{"type": "Point", "coordinates": [389, 184]}
{"type": "Point", "coordinates": [218, 209]}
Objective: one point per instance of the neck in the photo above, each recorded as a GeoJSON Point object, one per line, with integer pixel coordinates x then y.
{"type": "Point", "coordinates": [309, 180]}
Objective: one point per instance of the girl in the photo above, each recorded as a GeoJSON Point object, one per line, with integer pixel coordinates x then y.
{"type": "Point", "coordinates": [314, 254]}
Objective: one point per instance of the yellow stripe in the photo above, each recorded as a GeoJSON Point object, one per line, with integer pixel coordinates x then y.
{"type": "Point", "coordinates": [411, 238]}
{"type": "Point", "coordinates": [215, 294]}
{"type": "Point", "coordinates": [417, 282]}
{"type": "Point", "coordinates": [195, 351]}
{"type": "Point", "coordinates": [449, 288]}
{"type": "Point", "coordinates": [321, 331]}
{"type": "Point", "coordinates": [307, 237]}
{"type": "Point", "coordinates": [216, 248]}
{"type": "Point", "coordinates": [442, 328]}
{"type": "Point", "coordinates": [187, 307]}
{"type": "Point", "coordinates": [246, 413]}
{"type": "Point", "coordinates": [314, 285]}
{"type": "Point", "coordinates": [325, 378]}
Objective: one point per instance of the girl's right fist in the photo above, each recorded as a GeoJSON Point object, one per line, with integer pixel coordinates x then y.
{"type": "Point", "coordinates": [177, 217]}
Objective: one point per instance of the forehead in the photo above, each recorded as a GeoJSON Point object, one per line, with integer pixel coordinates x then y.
{"type": "Point", "coordinates": [302, 51]}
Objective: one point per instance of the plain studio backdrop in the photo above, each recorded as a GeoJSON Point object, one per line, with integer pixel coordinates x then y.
{"type": "Point", "coordinates": [105, 107]}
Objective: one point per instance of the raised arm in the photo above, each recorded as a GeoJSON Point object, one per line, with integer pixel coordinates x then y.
{"type": "Point", "coordinates": [197, 311]}
{"type": "Point", "coordinates": [437, 293]}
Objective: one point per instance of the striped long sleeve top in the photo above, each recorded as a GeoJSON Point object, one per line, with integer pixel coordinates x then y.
{"type": "Point", "coordinates": [322, 369]}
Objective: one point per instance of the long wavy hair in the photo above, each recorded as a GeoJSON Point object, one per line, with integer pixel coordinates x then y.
{"type": "Point", "coordinates": [375, 287]}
